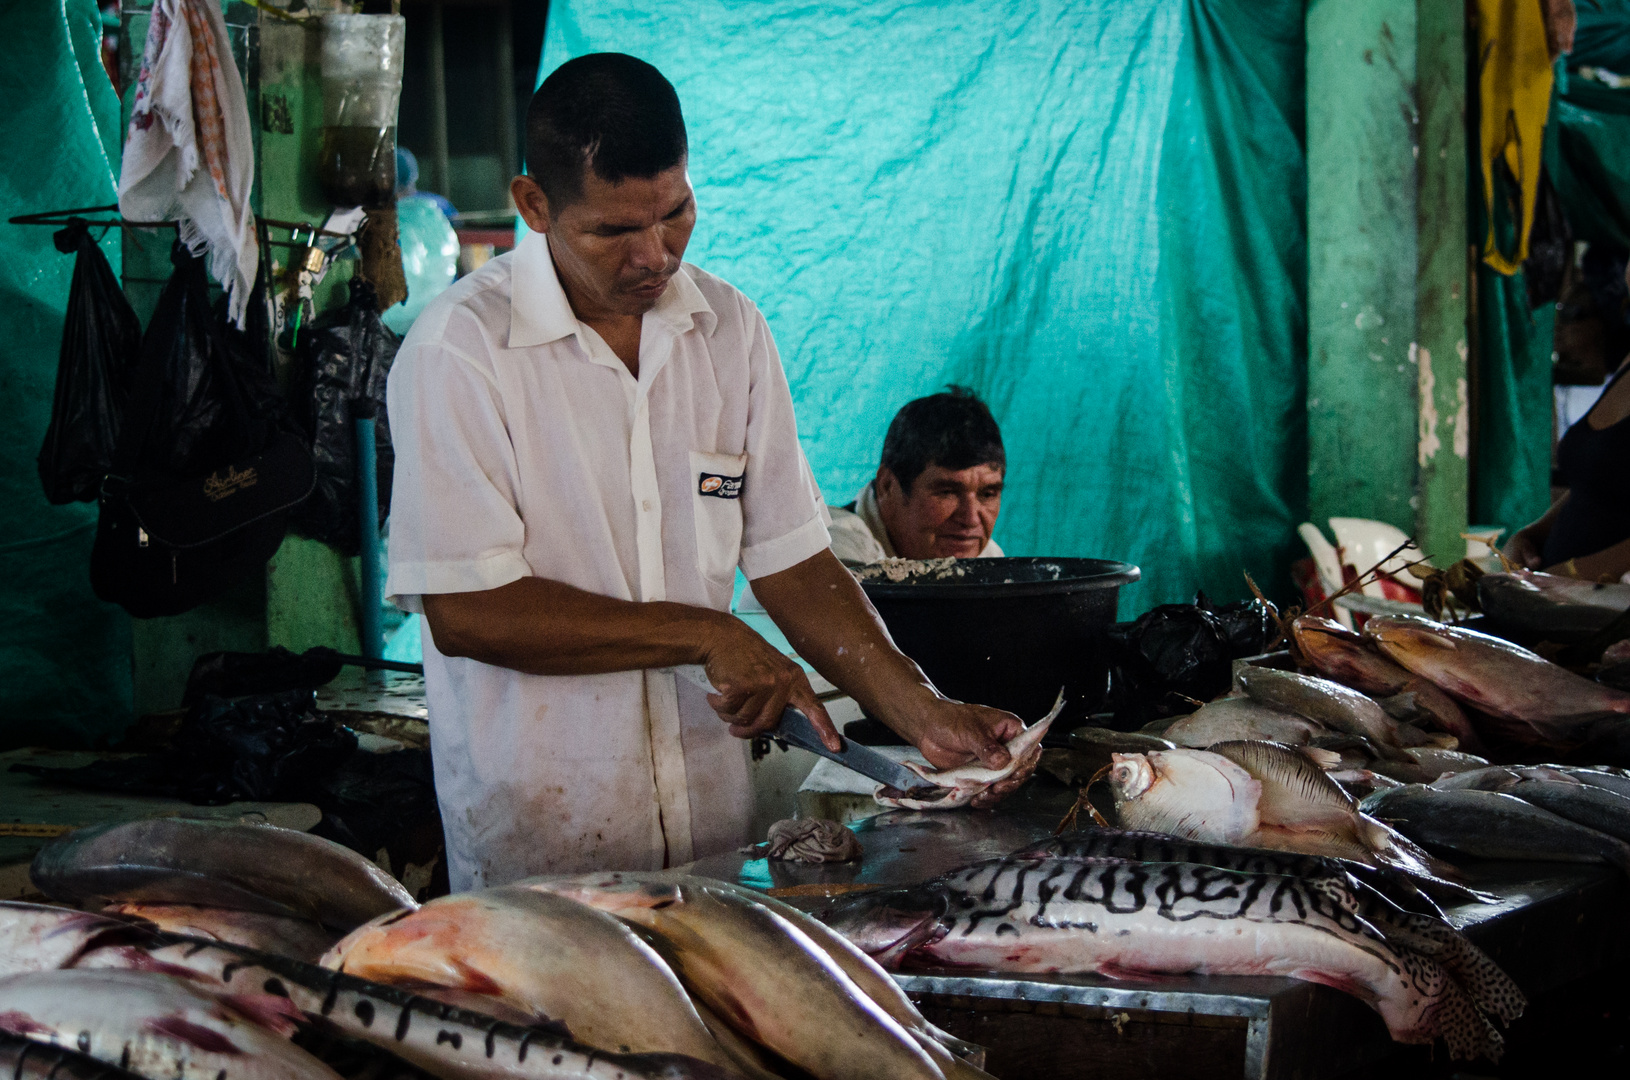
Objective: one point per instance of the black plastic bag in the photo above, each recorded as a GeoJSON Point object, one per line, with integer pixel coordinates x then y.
{"type": "Point", "coordinates": [205, 469]}
{"type": "Point", "coordinates": [272, 747]}
{"type": "Point", "coordinates": [216, 400]}
{"type": "Point", "coordinates": [1177, 655]}
{"type": "Point", "coordinates": [231, 674]}
{"type": "Point", "coordinates": [101, 340]}
{"type": "Point", "coordinates": [343, 363]}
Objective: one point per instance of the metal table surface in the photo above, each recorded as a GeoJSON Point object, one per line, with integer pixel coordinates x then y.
{"type": "Point", "coordinates": [1553, 923]}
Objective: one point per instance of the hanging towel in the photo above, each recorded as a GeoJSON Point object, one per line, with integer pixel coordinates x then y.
{"type": "Point", "coordinates": [189, 154]}
{"type": "Point", "coordinates": [1514, 85]}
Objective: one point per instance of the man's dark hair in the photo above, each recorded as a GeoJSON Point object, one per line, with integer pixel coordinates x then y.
{"type": "Point", "coordinates": [953, 430]}
{"type": "Point", "coordinates": [609, 112]}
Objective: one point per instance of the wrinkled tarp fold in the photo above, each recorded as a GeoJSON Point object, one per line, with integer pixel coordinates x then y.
{"type": "Point", "coordinates": [64, 655]}
{"type": "Point", "coordinates": [1092, 214]}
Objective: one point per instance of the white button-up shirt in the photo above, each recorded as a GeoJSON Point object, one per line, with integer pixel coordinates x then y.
{"type": "Point", "coordinates": [525, 448]}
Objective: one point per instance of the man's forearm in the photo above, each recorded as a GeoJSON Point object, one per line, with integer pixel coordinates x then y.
{"type": "Point", "coordinates": [545, 627]}
{"type": "Point", "coordinates": [827, 618]}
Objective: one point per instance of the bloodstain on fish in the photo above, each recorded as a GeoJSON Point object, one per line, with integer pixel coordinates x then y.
{"type": "Point", "coordinates": [180, 1028]}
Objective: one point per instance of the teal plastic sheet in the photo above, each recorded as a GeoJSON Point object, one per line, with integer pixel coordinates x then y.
{"type": "Point", "coordinates": [64, 655]}
{"type": "Point", "coordinates": [1091, 213]}
{"type": "Point", "coordinates": [1587, 154]}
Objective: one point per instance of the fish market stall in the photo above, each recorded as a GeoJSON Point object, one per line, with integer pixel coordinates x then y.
{"type": "Point", "coordinates": [1548, 925]}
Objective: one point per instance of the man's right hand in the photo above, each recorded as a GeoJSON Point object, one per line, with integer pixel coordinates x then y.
{"type": "Point", "coordinates": [1524, 549]}
{"type": "Point", "coordinates": [756, 683]}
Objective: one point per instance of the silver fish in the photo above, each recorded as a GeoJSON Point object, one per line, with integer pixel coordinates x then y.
{"type": "Point", "coordinates": [545, 956]}
{"type": "Point", "coordinates": [1129, 920]}
{"type": "Point", "coordinates": [760, 973]}
{"type": "Point", "coordinates": [38, 937]}
{"type": "Point", "coordinates": [1492, 825]}
{"type": "Point", "coordinates": [1583, 804]}
{"type": "Point", "coordinates": [25, 1059]}
{"type": "Point", "coordinates": [1233, 718]}
{"type": "Point", "coordinates": [1549, 606]}
{"type": "Point", "coordinates": [158, 1026]}
{"type": "Point", "coordinates": [1540, 703]}
{"type": "Point", "coordinates": [217, 864]}
{"type": "Point", "coordinates": [450, 1042]}
{"type": "Point", "coordinates": [301, 939]}
{"type": "Point", "coordinates": [1329, 704]}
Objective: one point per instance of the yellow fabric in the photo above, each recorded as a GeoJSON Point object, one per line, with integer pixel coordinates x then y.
{"type": "Point", "coordinates": [1514, 80]}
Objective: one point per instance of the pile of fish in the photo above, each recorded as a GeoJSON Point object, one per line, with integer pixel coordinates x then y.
{"type": "Point", "coordinates": [1550, 607]}
{"type": "Point", "coordinates": [1129, 905]}
{"type": "Point", "coordinates": [1543, 813]}
{"type": "Point", "coordinates": [199, 967]}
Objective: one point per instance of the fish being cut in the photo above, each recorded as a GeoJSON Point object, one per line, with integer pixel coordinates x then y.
{"type": "Point", "coordinates": [965, 784]}
{"type": "Point", "coordinates": [1330, 705]}
{"type": "Point", "coordinates": [25, 1059]}
{"type": "Point", "coordinates": [39, 937]}
{"type": "Point", "coordinates": [299, 938]}
{"type": "Point", "coordinates": [1258, 794]}
{"type": "Point", "coordinates": [450, 1042]}
{"type": "Point", "coordinates": [1492, 825]}
{"type": "Point", "coordinates": [1540, 703]}
{"type": "Point", "coordinates": [549, 957]}
{"type": "Point", "coordinates": [760, 973]}
{"type": "Point", "coordinates": [155, 1025]}
{"type": "Point", "coordinates": [1234, 718]}
{"type": "Point", "coordinates": [217, 864]}
{"type": "Point", "coordinates": [1126, 920]}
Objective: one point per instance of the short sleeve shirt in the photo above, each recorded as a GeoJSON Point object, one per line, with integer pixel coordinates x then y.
{"type": "Point", "coordinates": [524, 447]}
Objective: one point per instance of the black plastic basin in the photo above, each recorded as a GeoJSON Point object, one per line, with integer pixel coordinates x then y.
{"type": "Point", "coordinates": [1010, 632]}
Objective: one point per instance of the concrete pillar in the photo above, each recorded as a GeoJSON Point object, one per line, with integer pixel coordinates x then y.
{"type": "Point", "coordinates": [1388, 410]}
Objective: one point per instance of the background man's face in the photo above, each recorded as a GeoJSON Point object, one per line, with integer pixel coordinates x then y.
{"type": "Point", "coordinates": [618, 245]}
{"type": "Point", "coordinates": [945, 514]}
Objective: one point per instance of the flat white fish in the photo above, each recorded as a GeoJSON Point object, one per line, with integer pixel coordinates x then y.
{"type": "Point", "coordinates": [966, 782]}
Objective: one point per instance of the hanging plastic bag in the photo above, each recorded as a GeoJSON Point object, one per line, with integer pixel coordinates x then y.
{"type": "Point", "coordinates": [345, 360]}
{"type": "Point", "coordinates": [205, 468]}
{"type": "Point", "coordinates": [100, 342]}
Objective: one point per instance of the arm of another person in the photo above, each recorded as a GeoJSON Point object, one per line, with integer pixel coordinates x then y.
{"type": "Point", "coordinates": [1609, 564]}
{"type": "Point", "coordinates": [1527, 544]}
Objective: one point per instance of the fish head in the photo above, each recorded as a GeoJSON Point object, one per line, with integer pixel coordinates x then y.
{"type": "Point", "coordinates": [888, 923]}
{"type": "Point", "coordinates": [1316, 635]}
{"type": "Point", "coordinates": [1130, 775]}
{"type": "Point", "coordinates": [1408, 635]}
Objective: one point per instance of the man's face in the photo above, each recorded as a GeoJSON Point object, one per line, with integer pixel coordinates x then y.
{"type": "Point", "coordinates": [945, 514]}
{"type": "Point", "coordinates": [618, 245]}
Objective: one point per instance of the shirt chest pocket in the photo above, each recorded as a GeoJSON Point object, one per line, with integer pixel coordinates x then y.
{"type": "Point", "coordinates": [717, 482]}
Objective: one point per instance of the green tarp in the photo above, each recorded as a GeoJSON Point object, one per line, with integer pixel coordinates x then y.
{"type": "Point", "coordinates": [64, 655]}
{"type": "Point", "coordinates": [1090, 213]}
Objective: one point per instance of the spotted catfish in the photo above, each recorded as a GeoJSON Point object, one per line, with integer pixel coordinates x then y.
{"type": "Point", "coordinates": [155, 1025]}
{"type": "Point", "coordinates": [1124, 919]}
{"type": "Point", "coordinates": [452, 1043]}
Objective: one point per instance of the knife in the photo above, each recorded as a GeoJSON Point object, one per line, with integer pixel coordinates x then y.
{"type": "Point", "coordinates": [798, 730]}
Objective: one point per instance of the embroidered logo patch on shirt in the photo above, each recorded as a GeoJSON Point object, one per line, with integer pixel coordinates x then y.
{"type": "Point", "coordinates": [720, 487]}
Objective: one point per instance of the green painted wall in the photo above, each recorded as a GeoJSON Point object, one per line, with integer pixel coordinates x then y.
{"type": "Point", "coordinates": [1387, 265]}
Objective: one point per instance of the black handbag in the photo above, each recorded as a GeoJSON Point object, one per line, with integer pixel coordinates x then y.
{"type": "Point", "coordinates": [203, 477]}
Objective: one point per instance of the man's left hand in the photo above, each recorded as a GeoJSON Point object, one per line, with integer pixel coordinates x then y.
{"type": "Point", "coordinates": [950, 733]}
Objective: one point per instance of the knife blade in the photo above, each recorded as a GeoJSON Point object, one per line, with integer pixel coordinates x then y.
{"type": "Point", "coordinates": [796, 729]}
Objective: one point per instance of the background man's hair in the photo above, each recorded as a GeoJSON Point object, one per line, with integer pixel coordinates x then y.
{"type": "Point", "coordinates": [609, 111]}
{"type": "Point", "coordinates": [954, 430]}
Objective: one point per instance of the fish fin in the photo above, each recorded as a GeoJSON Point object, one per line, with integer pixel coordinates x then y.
{"type": "Point", "coordinates": [1324, 759]}
{"type": "Point", "coordinates": [273, 1012]}
{"type": "Point", "coordinates": [1398, 851]}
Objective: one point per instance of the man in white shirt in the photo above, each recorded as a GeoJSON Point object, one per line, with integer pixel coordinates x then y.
{"type": "Point", "coordinates": [938, 487]}
{"type": "Point", "coordinates": [591, 436]}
